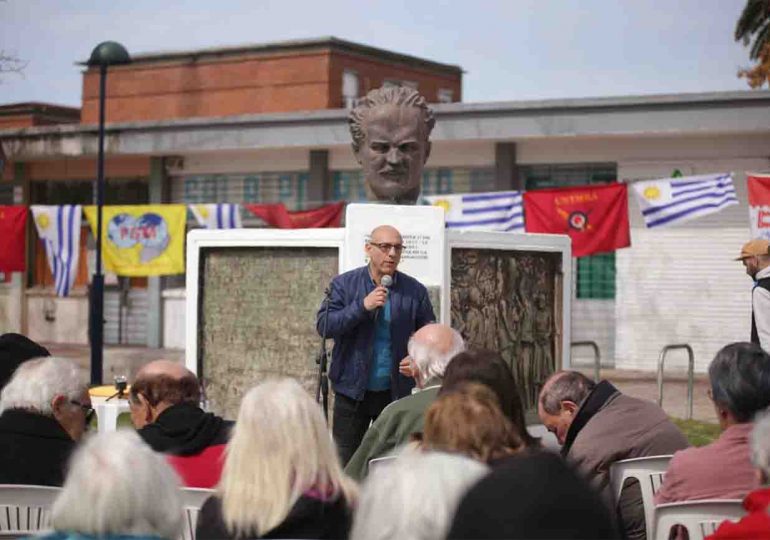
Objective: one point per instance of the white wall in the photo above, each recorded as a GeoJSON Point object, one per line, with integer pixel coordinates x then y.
{"type": "Point", "coordinates": [174, 318]}
{"type": "Point", "coordinates": [10, 305]}
{"type": "Point", "coordinates": [69, 316]}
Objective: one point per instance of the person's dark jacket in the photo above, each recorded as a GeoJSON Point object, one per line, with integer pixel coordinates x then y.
{"type": "Point", "coordinates": [34, 449]}
{"type": "Point", "coordinates": [15, 349]}
{"type": "Point", "coordinates": [352, 328]}
{"type": "Point", "coordinates": [194, 440]}
{"type": "Point", "coordinates": [532, 495]}
{"type": "Point", "coordinates": [308, 518]}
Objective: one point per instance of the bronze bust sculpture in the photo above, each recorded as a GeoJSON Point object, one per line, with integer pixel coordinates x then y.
{"type": "Point", "coordinates": [390, 129]}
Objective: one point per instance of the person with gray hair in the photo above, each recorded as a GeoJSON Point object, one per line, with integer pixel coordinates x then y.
{"type": "Point", "coordinates": [390, 128]}
{"type": "Point", "coordinates": [415, 496]}
{"type": "Point", "coordinates": [756, 522]}
{"type": "Point", "coordinates": [117, 487]}
{"type": "Point", "coordinates": [430, 350]}
{"type": "Point", "coordinates": [739, 379]}
{"type": "Point", "coordinates": [45, 410]}
{"type": "Point", "coordinates": [597, 425]}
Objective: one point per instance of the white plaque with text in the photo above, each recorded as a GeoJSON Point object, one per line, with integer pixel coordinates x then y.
{"type": "Point", "coordinates": [422, 228]}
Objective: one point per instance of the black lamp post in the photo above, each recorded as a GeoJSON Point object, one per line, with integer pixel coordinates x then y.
{"type": "Point", "coordinates": [107, 53]}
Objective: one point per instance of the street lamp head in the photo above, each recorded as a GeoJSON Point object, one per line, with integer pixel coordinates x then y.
{"type": "Point", "coordinates": [109, 53]}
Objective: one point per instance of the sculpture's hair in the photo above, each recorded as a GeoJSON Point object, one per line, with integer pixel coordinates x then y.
{"type": "Point", "coordinates": [565, 386]}
{"type": "Point", "coordinates": [395, 95]}
{"type": "Point", "coordinates": [415, 496]}
{"type": "Point", "coordinates": [36, 383]}
{"type": "Point", "coordinates": [740, 379]}
{"type": "Point", "coordinates": [158, 388]}
{"type": "Point", "coordinates": [468, 420]}
{"type": "Point", "coordinates": [116, 485]}
{"type": "Point", "coordinates": [280, 448]}
{"type": "Point", "coordinates": [431, 362]}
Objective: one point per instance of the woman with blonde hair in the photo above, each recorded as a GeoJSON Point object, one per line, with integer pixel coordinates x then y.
{"type": "Point", "coordinates": [468, 420]}
{"type": "Point", "coordinates": [281, 477]}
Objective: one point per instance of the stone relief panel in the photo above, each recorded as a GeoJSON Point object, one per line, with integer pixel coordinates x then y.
{"type": "Point", "coordinates": [257, 318]}
{"type": "Point", "coordinates": [509, 301]}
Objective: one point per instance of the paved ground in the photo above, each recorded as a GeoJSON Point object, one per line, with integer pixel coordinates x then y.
{"type": "Point", "coordinates": [127, 361]}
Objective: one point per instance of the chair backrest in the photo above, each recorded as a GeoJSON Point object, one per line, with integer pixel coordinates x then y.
{"type": "Point", "coordinates": [700, 518]}
{"type": "Point", "coordinates": [648, 471]}
{"type": "Point", "coordinates": [192, 500]}
{"type": "Point", "coordinates": [25, 509]}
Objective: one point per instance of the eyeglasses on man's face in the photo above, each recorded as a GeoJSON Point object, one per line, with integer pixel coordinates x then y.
{"type": "Point", "coordinates": [386, 247]}
{"type": "Point", "coordinates": [88, 410]}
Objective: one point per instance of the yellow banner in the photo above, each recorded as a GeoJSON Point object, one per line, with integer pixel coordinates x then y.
{"type": "Point", "coordinates": [141, 240]}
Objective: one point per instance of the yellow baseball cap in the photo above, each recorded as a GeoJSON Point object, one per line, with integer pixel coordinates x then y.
{"type": "Point", "coordinates": [754, 248]}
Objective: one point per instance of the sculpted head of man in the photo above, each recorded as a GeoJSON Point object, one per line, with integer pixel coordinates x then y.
{"type": "Point", "coordinates": [390, 129]}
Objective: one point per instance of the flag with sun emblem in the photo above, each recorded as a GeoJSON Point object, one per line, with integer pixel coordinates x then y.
{"type": "Point", "coordinates": [59, 229]}
{"type": "Point", "coordinates": [594, 217]}
{"type": "Point", "coordinates": [496, 211]}
{"type": "Point", "coordinates": [217, 216]}
{"type": "Point", "coordinates": [669, 201]}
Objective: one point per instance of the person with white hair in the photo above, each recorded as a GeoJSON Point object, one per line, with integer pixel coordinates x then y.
{"type": "Point", "coordinates": [118, 488]}
{"type": "Point", "coordinates": [415, 496]}
{"type": "Point", "coordinates": [45, 410]}
{"type": "Point", "coordinates": [282, 477]}
{"type": "Point", "coordinates": [756, 523]}
{"type": "Point", "coordinates": [430, 350]}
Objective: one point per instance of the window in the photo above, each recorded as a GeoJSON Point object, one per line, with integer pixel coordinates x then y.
{"type": "Point", "coordinates": [445, 95]}
{"type": "Point", "coordinates": [397, 82]}
{"type": "Point", "coordinates": [595, 273]}
{"type": "Point", "coordinates": [349, 89]}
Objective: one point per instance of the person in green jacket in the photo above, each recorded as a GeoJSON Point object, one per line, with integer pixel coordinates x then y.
{"type": "Point", "coordinates": [430, 350]}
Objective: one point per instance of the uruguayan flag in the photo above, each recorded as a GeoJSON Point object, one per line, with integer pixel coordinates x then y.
{"type": "Point", "coordinates": [496, 211]}
{"type": "Point", "coordinates": [59, 229]}
{"type": "Point", "coordinates": [217, 216]}
{"type": "Point", "coordinates": [674, 200]}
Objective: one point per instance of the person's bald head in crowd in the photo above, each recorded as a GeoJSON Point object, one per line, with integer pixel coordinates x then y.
{"type": "Point", "coordinates": [430, 349]}
{"type": "Point", "coordinates": [158, 386]}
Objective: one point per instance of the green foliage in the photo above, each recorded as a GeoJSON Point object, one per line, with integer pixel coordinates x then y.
{"type": "Point", "coordinates": [698, 433]}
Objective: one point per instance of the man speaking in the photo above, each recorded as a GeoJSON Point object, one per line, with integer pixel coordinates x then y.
{"type": "Point", "coordinates": [372, 312]}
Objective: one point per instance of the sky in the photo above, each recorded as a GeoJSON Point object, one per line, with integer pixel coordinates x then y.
{"type": "Point", "coordinates": [510, 49]}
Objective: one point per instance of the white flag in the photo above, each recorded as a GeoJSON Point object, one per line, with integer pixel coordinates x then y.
{"type": "Point", "coordinates": [59, 229]}
{"type": "Point", "coordinates": [669, 201]}
{"type": "Point", "coordinates": [493, 211]}
{"type": "Point", "coordinates": [217, 216]}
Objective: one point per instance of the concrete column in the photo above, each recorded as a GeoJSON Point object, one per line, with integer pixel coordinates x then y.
{"type": "Point", "coordinates": [506, 171]}
{"type": "Point", "coordinates": [157, 194]}
{"type": "Point", "coordinates": [319, 188]}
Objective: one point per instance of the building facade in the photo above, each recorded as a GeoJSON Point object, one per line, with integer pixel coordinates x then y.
{"type": "Point", "coordinates": [674, 285]}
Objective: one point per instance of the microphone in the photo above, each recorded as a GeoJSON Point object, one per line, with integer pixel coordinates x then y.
{"type": "Point", "coordinates": [386, 281]}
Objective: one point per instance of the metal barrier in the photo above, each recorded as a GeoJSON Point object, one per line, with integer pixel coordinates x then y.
{"type": "Point", "coordinates": [690, 374]}
{"type": "Point", "coordinates": [597, 355]}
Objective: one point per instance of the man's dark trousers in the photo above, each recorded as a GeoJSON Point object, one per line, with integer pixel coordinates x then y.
{"type": "Point", "coordinates": [352, 419]}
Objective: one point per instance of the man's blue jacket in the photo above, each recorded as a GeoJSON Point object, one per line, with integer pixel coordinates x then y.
{"type": "Point", "coordinates": [352, 328]}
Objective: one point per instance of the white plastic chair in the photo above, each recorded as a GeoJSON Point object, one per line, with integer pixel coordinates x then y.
{"type": "Point", "coordinates": [648, 471]}
{"type": "Point", "coordinates": [192, 500]}
{"type": "Point", "coordinates": [25, 510]}
{"type": "Point", "coordinates": [376, 462]}
{"type": "Point", "coordinates": [700, 518]}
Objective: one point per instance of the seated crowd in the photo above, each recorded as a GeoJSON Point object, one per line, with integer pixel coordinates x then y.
{"type": "Point", "coordinates": [460, 461]}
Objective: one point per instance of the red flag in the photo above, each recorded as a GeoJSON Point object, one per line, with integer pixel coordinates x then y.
{"type": "Point", "coordinates": [759, 205]}
{"type": "Point", "coordinates": [329, 215]}
{"type": "Point", "coordinates": [595, 217]}
{"type": "Point", "coordinates": [13, 221]}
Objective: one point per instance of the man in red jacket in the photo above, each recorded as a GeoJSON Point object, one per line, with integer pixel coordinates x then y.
{"type": "Point", "coordinates": [756, 523]}
{"type": "Point", "coordinates": [164, 402]}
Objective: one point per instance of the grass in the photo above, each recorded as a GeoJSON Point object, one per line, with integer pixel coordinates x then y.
{"type": "Point", "coordinates": [697, 433]}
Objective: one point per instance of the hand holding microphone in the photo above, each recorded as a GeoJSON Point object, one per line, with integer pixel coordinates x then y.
{"type": "Point", "coordinates": [377, 298]}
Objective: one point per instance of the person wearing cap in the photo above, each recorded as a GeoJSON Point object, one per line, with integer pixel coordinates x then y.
{"type": "Point", "coordinates": [755, 256]}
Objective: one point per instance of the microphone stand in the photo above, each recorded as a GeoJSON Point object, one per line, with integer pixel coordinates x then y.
{"type": "Point", "coordinates": [322, 388]}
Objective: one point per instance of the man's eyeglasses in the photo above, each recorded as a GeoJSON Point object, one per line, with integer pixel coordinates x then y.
{"type": "Point", "coordinates": [385, 247]}
{"type": "Point", "coordinates": [87, 410]}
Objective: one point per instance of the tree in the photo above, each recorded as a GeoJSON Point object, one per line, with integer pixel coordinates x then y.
{"type": "Point", "coordinates": [753, 27]}
{"type": "Point", "coordinates": [10, 63]}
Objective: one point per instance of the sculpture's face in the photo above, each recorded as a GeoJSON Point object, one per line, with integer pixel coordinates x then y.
{"type": "Point", "coordinates": [393, 153]}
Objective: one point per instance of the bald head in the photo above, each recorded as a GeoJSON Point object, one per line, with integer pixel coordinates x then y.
{"type": "Point", "coordinates": [175, 370]}
{"type": "Point", "coordinates": [384, 233]}
{"type": "Point", "coordinates": [431, 348]}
